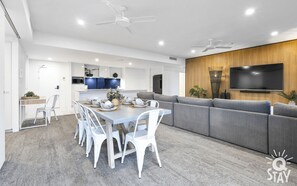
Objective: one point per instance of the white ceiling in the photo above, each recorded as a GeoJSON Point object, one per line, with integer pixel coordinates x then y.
{"type": "Point", "coordinates": [180, 23]}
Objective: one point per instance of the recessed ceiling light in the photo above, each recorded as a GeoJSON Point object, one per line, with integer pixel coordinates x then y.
{"type": "Point", "coordinates": [81, 22]}
{"type": "Point", "coordinates": [161, 43]}
{"type": "Point", "coordinates": [246, 67]}
{"type": "Point", "coordinates": [193, 51]}
{"type": "Point", "coordinates": [130, 63]}
{"type": "Point", "coordinates": [249, 11]}
{"type": "Point", "coordinates": [274, 33]}
{"type": "Point", "coordinates": [50, 58]}
{"type": "Point", "coordinates": [97, 59]}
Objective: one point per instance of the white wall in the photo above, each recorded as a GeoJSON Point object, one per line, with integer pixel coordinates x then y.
{"type": "Point", "coordinates": [171, 80]}
{"type": "Point", "coordinates": [43, 82]}
{"type": "Point", "coordinates": [136, 79]}
{"type": "Point", "coordinates": [2, 61]}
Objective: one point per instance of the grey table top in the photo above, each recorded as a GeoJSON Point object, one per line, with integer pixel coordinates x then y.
{"type": "Point", "coordinates": [125, 113]}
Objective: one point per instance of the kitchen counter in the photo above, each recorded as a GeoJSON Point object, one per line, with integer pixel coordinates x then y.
{"type": "Point", "coordinates": [83, 95]}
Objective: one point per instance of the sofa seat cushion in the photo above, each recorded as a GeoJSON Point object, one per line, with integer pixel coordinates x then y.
{"type": "Point", "coordinates": [195, 101]}
{"type": "Point", "coordinates": [244, 105]}
{"type": "Point", "coordinates": [160, 97]}
{"type": "Point", "coordinates": [285, 110]}
{"type": "Point", "coordinates": [145, 95]}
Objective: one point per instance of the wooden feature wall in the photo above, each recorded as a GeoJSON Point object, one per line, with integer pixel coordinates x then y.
{"type": "Point", "coordinates": [284, 52]}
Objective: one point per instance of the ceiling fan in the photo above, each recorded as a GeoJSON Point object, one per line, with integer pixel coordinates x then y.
{"type": "Point", "coordinates": [215, 45]}
{"type": "Point", "coordinates": [122, 20]}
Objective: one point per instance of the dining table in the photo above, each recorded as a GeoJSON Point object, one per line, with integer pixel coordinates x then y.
{"type": "Point", "coordinates": [123, 115]}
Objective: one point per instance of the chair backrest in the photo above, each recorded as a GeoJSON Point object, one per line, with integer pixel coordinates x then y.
{"type": "Point", "coordinates": [92, 119]}
{"type": "Point", "coordinates": [51, 102]}
{"type": "Point", "coordinates": [154, 118]}
{"type": "Point", "coordinates": [79, 111]}
{"type": "Point", "coordinates": [153, 103]}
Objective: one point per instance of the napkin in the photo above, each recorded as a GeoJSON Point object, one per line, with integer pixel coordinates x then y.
{"type": "Point", "coordinates": [138, 102]}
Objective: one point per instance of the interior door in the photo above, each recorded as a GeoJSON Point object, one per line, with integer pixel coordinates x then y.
{"type": "Point", "coordinates": [7, 87]}
{"type": "Point", "coordinates": [49, 82]}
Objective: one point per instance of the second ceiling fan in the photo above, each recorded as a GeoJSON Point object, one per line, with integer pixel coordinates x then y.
{"type": "Point", "coordinates": [122, 20]}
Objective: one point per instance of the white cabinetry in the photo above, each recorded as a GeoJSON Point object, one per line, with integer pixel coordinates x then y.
{"type": "Point", "coordinates": [113, 70]}
{"type": "Point", "coordinates": [78, 70]}
{"type": "Point", "coordinates": [103, 71]}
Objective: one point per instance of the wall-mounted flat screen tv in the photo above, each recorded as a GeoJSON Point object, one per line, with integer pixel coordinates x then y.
{"type": "Point", "coordinates": [257, 78]}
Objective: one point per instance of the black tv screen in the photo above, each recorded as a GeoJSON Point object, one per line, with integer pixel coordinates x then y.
{"type": "Point", "coordinates": [261, 77]}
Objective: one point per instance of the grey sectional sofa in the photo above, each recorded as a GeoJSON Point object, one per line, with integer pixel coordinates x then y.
{"type": "Point", "coordinates": [244, 123]}
{"type": "Point", "coordinates": [166, 102]}
{"type": "Point", "coordinates": [192, 114]}
{"type": "Point", "coordinates": [283, 130]}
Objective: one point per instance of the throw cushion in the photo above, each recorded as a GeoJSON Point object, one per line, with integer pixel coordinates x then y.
{"type": "Point", "coordinates": [195, 101]}
{"type": "Point", "coordinates": [245, 105]}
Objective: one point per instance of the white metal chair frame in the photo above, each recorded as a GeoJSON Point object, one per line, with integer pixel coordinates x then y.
{"type": "Point", "coordinates": [81, 121]}
{"type": "Point", "coordinates": [96, 133]}
{"type": "Point", "coordinates": [47, 110]}
{"type": "Point", "coordinates": [143, 138]}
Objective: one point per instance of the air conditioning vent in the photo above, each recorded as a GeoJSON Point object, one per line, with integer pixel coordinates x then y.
{"type": "Point", "coordinates": [173, 58]}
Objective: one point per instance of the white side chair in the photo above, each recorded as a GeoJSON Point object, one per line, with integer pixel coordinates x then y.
{"type": "Point", "coordinates": [48, 108]}
{"type": "Point", "coordinates": [81, 121]}
{"type": "Point", "coordinates": [98, 134]}
{"type": "Point", "coordinates": [143, 138]}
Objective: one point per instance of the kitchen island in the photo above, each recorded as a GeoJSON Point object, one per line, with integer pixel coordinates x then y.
{"type": "Point", "coordinates": [83, 95]}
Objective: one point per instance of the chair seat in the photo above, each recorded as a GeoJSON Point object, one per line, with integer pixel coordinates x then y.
{"type": "Point", "coordinates": [139, 135]}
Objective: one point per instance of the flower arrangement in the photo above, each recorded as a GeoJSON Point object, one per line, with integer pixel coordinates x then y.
{"type": "Point", "coordinates": [114, 94]}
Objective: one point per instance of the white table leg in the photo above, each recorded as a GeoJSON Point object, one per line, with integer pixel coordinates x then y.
{"type": "Point", "coordinates": [110, 150]}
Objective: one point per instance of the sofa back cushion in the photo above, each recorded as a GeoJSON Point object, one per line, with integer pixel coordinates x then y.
{"type": "Point", "coordinates": [160, 97]}
{"type": "Point", "coordinates": [145, 95]}
{"type": "Point", "coordinates": [195, 101]}
{"type": "Point", "coordinates": [285, 110]}
{"type": "Point", "coordinates": [244, 105]}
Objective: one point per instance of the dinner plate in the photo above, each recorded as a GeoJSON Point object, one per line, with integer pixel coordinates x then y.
{"type": "Point", "coordinates": [126, 103]}
{"type": "Point", "coordinates": [107, 110]}
{"type": "Point", "coordinates": [139, 106]}
{"type": "Point", "coordinates": [95, 106]}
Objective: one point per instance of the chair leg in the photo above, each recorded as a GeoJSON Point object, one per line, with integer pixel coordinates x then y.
{"type": "Point", "coordinates": [49, 115]}
{"type": "Point", "coordinates": [97, 148]}
{"type": "Point", "coordinates": [89, 145]}
{"type": "Point", "coordinates": [154, 146]}
{"type": "Point", "coordinates": [80, 133]}
{"type": "Point", "coordinates": [125, 148]}
{"type": "Point", "coordinates": [123, 138]}
{"type": "Point", "coordinates": [76, 132]}
{"type": "Point", "coordinates": [140, 156]}
{"type": "Point", "coordinates": [55, 115]}
{"type": "Point", "coordinates": [36, 116]}
{"type": "Point", "coordinates": [83, 138]}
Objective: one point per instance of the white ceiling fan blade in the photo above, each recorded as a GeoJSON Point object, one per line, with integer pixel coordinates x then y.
{"type": "Point", "coordinates": [205, 50]}
{"type": "Point", "coordinates": [106, 23]}
{"type": "Point", "coordinates": [224, 47]}
{"type": "Point", "coordinates": [128, 29]}
{"type": "Point", "coordinates": [142, 19]}
{"type": "Point", "coordinates": [115, 9]}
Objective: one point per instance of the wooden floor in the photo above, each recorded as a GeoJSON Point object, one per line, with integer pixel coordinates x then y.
{"type": "Point", "coordinates": [50, 156]}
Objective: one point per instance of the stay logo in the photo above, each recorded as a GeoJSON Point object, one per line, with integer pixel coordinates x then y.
{"type": "Point", "coordinates": [279, 173]}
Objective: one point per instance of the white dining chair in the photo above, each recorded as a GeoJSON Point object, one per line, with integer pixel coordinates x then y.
{"type": "Point", "coordinates": [48, 108]}
{"type": "Point", "coordinates": [81, 121]}
{"type": "Point", "coordinates": [98, 134]}
{"type": "Point", "coordinates": [141, 139]}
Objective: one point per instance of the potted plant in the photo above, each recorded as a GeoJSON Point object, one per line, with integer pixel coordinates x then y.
{"type": "Point", "coordinates": [114, 96]}
{"type": "Point", "coordinates": [198, 92]}
{"type": "Point", "coordinates": [291, 97]}
{"type": "Point", "coordinates": [30, 95]}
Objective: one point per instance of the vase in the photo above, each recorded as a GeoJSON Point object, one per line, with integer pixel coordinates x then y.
{"type": "Point", "coordinates": [115, 102]}
{"type": "Point", "coordinates": [292, 103]}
